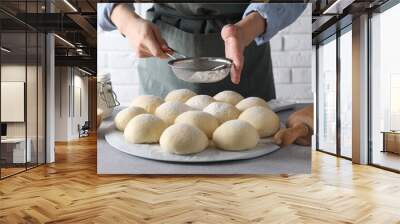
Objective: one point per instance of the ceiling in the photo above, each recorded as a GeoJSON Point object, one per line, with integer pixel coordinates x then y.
{"type": "Point", "coordinates": [331, 15]}
{"type": "Point", "coordinates": [74, 22]}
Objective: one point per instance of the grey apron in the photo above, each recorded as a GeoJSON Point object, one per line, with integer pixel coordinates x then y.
{"type": "Point", "coordinates": [194, 30]}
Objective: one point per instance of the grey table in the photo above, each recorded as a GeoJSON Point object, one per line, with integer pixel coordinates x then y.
{"type": "Point", "coordinates": [293, 159]}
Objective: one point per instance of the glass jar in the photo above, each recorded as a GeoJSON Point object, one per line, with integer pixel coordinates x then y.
{"type": "Point", "coordinates": [106, 97]}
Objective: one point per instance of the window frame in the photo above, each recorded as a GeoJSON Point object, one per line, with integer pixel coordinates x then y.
{"type": "Point", "coordinates": [381, 9]}
{"type": "Point", "coordinates": [31, 30]}
{"type": "Point", "coordinates": [332, 37]}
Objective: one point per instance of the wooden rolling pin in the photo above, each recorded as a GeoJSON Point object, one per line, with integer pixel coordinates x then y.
{"type": "Point", "coordinates": [299, 128]}
{"type": "Point", "coordinates": [99, 117]}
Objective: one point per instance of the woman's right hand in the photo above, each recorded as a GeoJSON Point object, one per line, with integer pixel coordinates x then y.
{"type": "Point", "coordinates": [144, 36]}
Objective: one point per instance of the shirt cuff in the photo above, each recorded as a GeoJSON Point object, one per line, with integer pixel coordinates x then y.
{"type": "Point", "coordinates": [104, 15]}
{"type": "Point", "coordinates": [266, 36]}
{"type": "Point", "coordinates": [277, 17]}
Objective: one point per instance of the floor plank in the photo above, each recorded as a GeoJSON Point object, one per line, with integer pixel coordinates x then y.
{"type": "Point", "coordinates": [386, 159]}
{"type": "Point", "coordinates": [70, 191]}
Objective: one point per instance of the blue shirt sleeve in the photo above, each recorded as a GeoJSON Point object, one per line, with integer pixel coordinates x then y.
{"type": "Point", "coordinates": [104, 11]}
{"type": "Point", "coordinates": [277, 16]}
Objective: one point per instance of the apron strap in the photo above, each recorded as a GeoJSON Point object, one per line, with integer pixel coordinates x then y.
{"type": "Point", "coordinates": [201, 24]}
{"type": "Point", "coordinates": [160, 9]}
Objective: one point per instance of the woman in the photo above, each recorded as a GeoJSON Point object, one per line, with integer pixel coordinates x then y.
{"type": "Point", "coordinates": [240, 32]}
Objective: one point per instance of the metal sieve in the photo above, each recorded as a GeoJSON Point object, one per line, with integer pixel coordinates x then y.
{"type": "Point", "coordinates": [200, 69]}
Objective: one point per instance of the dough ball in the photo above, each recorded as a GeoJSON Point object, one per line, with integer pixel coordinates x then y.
{"type": "Point", "coordinates": [144, 128]}
{"type": "Point", "coordinates": [125, 115]}
{"type": "Point", "coordinates": [200, 101]}
{"type": "Point", "coordinates": [147, 102]}
{"type": "Point", "coordinates": [222, 111]}
{"type": "Point", "coordinates": [202, 120]}
{"type": "Point", "coordinates": [251, 102]}
{"type": "Point", "coordinates": [183, 139]}
{"type": "Point", "coordinates": [263, 119]}
{"type": "Point", "coordinates": [168, 111]}
{"type": "Point", "coordinates": [180, 95]}
{"type": "Point", "coordinates": [229, 96]}
{"type": "Point", "coordinates": [235, 135]}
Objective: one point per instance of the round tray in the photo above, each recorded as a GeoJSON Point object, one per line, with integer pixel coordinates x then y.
{"type": "Point", "coordinates": [153, 151]}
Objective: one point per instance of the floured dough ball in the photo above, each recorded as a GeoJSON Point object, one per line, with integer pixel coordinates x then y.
{"type": "Point", "coordinates": [144, 128]}
{"type": "Point", "coordinates": [147, 102]}
{"type": "Point", "coordinates": [183, 139]}
{"type": "Point", "coordinates": [125, 115]}
{"type": "Point", "coordinates": [200, 101]}
{"type": "Point", "coordinates": [251, 102]}
{"type": "Point", "coordinates": [202, 120]}
{"type": "Point", "coordinates": [222, 111]}
{"type": "Point", "coordinates": [168, 111]}
{"type": "Point", "coordinates": [235, 135]}
{"type": "Point", "coordinates": [180, 95]}
{"type": "Point", "coordinates": [263, 119]}
{"type": "Point", "coordinates": [229, 96]}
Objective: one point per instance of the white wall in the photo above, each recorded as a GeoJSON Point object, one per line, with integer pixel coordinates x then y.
{"type": "Point", "coordinates": [291, 51]}
{"type": "Point", "coordinates": [17, 73]}
{"type": "Point", "coordinates": [33, 126]}
{"type": "Point", "coordinates": [82, 82]}
{"type": "Point", "coordinates": [291, 56]}
{"type": "Point", "coordinates": [67, 81]}
{"type": "Point", "coordinates": [61, 103]}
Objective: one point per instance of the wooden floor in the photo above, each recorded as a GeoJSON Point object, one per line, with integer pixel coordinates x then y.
{"type": "Point", "coordinates": [70, 191]}
{"type": "Point", "coordinates": [8, 171]}
{"type": "Point", "coordinates": [5, 172]}
{"type": "Point", "coordinates": [387, 159]}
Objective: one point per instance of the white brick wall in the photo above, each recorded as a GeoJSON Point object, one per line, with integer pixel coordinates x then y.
{"type": "Point", "coordinates": [291, 51]}
{"type": "Point", "coordinates": [291, 56]}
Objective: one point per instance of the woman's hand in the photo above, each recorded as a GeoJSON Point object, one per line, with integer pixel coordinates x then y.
{"type": "Point", "coordinates": [237, 37]}
{"type": "Point", "coordinates": [146, 40]}
{"type": "Point", "coordinates": [144, 36]}
{"type": "Point", "coordinates": [234, 47]}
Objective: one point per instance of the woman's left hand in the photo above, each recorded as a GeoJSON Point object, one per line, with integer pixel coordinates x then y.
{"type": "Point", "coordinates": [234, 47]}
{"type": "Point", "coordinates": [238, 36]}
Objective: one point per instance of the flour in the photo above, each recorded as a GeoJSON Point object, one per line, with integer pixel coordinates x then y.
{"type": "Point", "coordinates": [208, 76]}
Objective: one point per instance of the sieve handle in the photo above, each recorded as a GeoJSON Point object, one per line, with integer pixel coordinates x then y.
{"type": "Point", "coordinates": [218, 67]}
{"type": "Point", "coordinates": [170, 55]}
{"type": "Point", "coordinates": [175, 52]}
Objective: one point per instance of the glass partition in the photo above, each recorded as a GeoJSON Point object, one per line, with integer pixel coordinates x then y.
{"type": "Point", "coordinates": [32, 97]}
{"type": "Point", "coordinates": [23, 90]}
{"type": "Point", "coordinates": [327, 96]}
{"type": "Point", "coordinates": [385, 89]}
{"type": "Point", "coordinates": [334, 94]}
{"type": "Point", "coordinates": [346, 93]}
{"type": "Point", "coordinates": [41, 97]}
{"type": "Point", "coordinates": [13, 94]}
